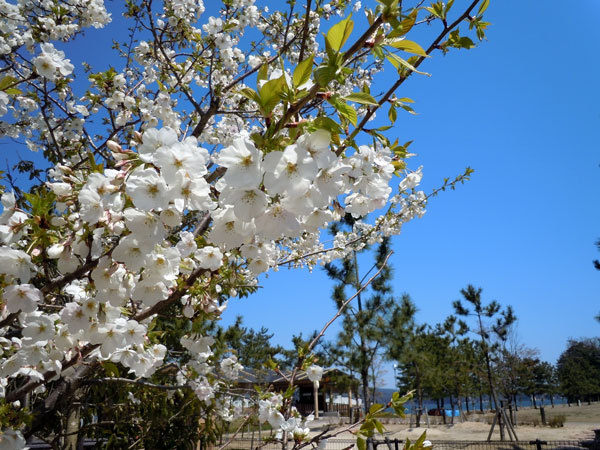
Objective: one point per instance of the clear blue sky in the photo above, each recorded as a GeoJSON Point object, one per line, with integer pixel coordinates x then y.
{"type": "Point", "coordinates": [522, 109]}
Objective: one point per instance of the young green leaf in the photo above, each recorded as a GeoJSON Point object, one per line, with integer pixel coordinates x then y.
{"type": "Point", "coordinates": [405, 26]}
{"type": "Point", "coordinates": [398, 63]}
{"type": "Point", "coordinates": [419, 442]}
{"type": "Point", "coordinates": [324, 74]}
{"type": "Point", "coordinates": [111, 369]}
{"type": "Point", "coordinates": [250, 94]}
{"type": "Point", "coordinates": [484, 5]}
{"type": "Point", "coordinates": [408, 46]}
{"type": "Point", "coordinates": [361, 97]}
{"type": "Point", "coordinates": [361, 443]}
{"type": "Point", "coordinates": [270, 93]}
{"type": "Point", "coordinates": [392, 114]}
{"type": "Point", "coordinates": [6, 82]}
{"type": "Point", "coordinates": [346, 111]}
{"type": "Point", "coordinates": [328, 124]}
{"type": "Point", "coordinates": [375, 407]}
{"type": "Point", "coordinates": [303, 71]}
{"type": "Point", "coordinates": [262, 74]}
{"type": "Point", "coordinates": [339, 33]}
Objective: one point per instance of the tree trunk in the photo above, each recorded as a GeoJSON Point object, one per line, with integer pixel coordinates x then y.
{"type": "Point", "coordinates": [489, 373]}
{"type": "Point", "coordinates": [460, 409]}
{"type": "Point", "coordinates": [72, 428]}
{"type": "Point", "coordinates": [364, 374]}
{"type": "Point", "coordinates": [350, 404]}
{"type": "Point", "coordinates": [443, 412]}
{"type": "Point", "coordinates": [419, 399]}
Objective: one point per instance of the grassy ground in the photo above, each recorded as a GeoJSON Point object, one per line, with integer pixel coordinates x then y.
{"type": "Point", "coordinates": [574, 414]}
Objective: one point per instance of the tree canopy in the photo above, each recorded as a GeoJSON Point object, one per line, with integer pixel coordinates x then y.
{"type": "Point", "coordinates": [579, 369]}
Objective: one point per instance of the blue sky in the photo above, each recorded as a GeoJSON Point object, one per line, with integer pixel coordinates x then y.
{"type": "Point", "coordinates": [522, 110]}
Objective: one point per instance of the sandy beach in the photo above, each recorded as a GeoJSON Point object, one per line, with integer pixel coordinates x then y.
{"type": "Point", "coordinates": [578, 425]}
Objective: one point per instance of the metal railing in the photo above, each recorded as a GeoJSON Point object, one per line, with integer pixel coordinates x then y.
{"type": "Point", "coordinates": [398, 444]}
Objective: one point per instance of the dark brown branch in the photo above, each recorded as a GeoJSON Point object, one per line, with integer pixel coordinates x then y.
{"type": "Point", "coordinates": [257, 68]}
{"type": "Point", "coordinates": [66, 279]}
{"type": "Point", "coordinates": [305, 31]}
{"type": "Point", "coordinates": [295, 108]}
{"type": "Point", "coordinates": [206, 115]}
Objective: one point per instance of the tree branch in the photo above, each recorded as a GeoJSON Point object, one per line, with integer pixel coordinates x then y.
{"type": "Point", "coordinates": [347, 301]}
{"type": "Point", "coordinates": [166, 387]}
{"type": "Point", "coordinates": [402, 79]}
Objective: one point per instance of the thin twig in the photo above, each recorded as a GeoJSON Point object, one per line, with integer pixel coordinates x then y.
{"type": "Point", "coordinates": [230, 440]}
{"type": "Point", "coordinates": [347, 301]}
{"type": "Point", "coordinates": [165, 387]}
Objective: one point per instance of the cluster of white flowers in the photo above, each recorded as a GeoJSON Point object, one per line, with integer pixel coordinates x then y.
{"type": "Point", "coordinates": [269, 410]}
{"type": "Point", "coordinates": [260, 200]}
{"type": "Point", "coordinates": [166, 221]}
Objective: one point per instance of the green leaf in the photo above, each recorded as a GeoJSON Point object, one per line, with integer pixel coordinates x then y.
{"type": "Point", "coordinates": [419, 442]}
{"type": "Point", "coordinates": [13, 91]}
{"type": "Point", "coordinates": [378, 51]}
{"type": "Point", "coordinates": [270, 93]}
{"type": "Point", "coordinates": [457, 41]}
{"type": "Point", "coordinates": [328, 124]}
{"type": "Point", "coordinates": [361, 97]}
{"type": "Point", "coordinates": [367, 427]}
{"type": "Point", "coordinates": [7, 81]}
{"type": "Point", "coordinates": [379, 426]}
{"type": "Point", "coordinates": [392, 114]}
{"type": "Point", "coordinates": [405, 26]}
{"type": "Point", "coordinates": [303, 71]}
{"type": "Point", "coordinates": [324, 74]}
{"type": "Point", "coordinates": [484, 5]}
{"type": "Point", "coordinates": [339, 33]}
{"type": "Point", "coordinates": [361, 443]}
{"type": "Point", "coordinates": [408, 46]}
{"type": "Point", "coordinates": [437, 9]}
{"type": "Point", "coordinates": [375, 407]}
{"type": "Point", "coordinates": [398, 63]}
{"type": "Point", "coordinates": [263, 73]}
{"type": "Point", "coordinates": [250, 94]}
{"type": "Point", "coordinates": [111, 369]}
{"type": "Point", "coordinates": [346, 111]}
{"type": "Point", "coordinates": [408, 109]}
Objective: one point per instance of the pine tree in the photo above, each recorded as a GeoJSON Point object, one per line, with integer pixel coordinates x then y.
{"type": "Point", "coordinates": [364, 321]}
{"type": "Point", "coordinates": [488, 335]}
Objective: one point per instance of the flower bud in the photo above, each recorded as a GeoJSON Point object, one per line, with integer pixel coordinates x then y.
{"type": "Point", "coordinates": [113, 146]}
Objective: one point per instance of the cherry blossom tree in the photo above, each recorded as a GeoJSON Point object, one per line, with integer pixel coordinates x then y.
{"type": "Point", "coordinates": [215, 147]}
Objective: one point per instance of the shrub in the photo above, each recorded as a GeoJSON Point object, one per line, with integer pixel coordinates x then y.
{"type": "Point", "coordinates": [557, 421]}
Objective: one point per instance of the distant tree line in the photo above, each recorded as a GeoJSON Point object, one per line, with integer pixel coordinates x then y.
{"type": "Point", "coordinates": [472, 359]}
